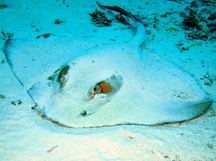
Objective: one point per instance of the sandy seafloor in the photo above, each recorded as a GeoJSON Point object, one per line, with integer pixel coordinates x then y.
{"type": "Point", "coordinates": [25, 136]}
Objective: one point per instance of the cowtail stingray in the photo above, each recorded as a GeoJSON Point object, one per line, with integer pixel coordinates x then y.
{"type": "Point", "coordinates": [109, 85]}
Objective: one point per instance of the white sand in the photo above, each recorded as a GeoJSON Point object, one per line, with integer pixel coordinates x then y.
{"type": "Point", "coordinates": [25, 136]}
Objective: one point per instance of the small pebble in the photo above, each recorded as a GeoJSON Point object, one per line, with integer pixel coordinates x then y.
{"type": "Point", "coordinates": [210, 146]}
{"type": "Point", "coordinates": [16, 102]}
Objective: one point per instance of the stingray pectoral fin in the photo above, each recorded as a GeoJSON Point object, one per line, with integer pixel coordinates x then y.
{"type": "Point", "coordinates": [33, 59]}
{"type": "Point", "coordinates": [188, 110]}
{"type": "Point", "coordinates": [202, 107]}
{"type": "Point", "coordinates": [177, 111]}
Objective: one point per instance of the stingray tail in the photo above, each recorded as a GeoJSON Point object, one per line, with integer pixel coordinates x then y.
{"type": "Point", "coordinates": [140, 35]}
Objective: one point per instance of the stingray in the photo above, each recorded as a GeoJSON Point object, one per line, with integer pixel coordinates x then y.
{"type": "Point", "coordinates": [108, 85]}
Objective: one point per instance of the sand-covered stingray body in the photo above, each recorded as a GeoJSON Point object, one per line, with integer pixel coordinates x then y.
{"type": "Point", "coordinates": [119, 84]}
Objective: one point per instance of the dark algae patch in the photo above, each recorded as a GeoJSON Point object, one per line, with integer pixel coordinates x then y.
{"type": "Point", "coordinates": [3, 6]}
{"type": "Point", "coordinates": [58, 21]}
{"type": "Point", "coordinates": [99, 19]}
{"type": "Point", "coordinates": [199, 20]}
{"type": "Point", "coordinates": [2, 96]}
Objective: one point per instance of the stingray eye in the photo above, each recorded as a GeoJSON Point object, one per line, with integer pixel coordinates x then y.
{"type": "Point", "coordinates": [95, 90]}
{"type": "Point", "coordinates": [106, 88]}
{"type": "Point", "coordinates": [101, 87]}
{"type": "Point", "coordinates": [61, 76]}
